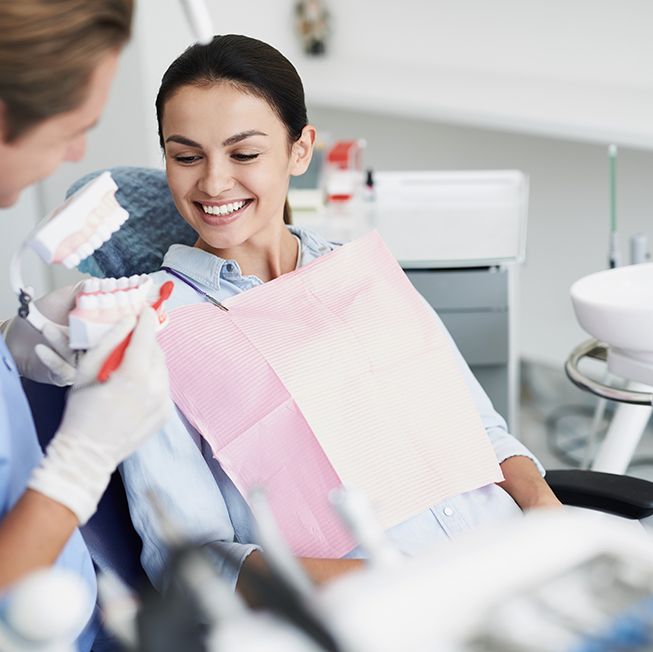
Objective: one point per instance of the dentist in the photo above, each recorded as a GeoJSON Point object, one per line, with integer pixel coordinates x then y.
{"type": "Point", "coordinates": [57, 61]}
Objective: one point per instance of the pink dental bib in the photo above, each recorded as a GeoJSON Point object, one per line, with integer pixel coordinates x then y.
{"type": "Point", "coordinates": [335, 373]}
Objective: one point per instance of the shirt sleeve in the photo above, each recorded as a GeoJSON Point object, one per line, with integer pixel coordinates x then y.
{"type": "Point", "coordinates": [504, 444]}
{"type": "Point", "coordinates": [170, 466]}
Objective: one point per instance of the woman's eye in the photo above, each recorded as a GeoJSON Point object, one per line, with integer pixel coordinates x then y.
{"type": "Point", "coordinates": [244, 157]}
{"type": "Point", "coordinates": [186, 160]}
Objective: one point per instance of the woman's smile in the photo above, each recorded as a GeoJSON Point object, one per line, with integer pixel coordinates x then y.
{"type": "Point", "coordinates": [221, 213]}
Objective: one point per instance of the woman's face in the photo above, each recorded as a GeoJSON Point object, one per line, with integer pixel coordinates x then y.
{"type": "Point", "coordinates": [228, 162]}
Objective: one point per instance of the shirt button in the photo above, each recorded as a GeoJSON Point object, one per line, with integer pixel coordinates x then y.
{"type": "Point", "coordinates": [448, 511]}
{"type": "Point", "coordinates": [230, 267]}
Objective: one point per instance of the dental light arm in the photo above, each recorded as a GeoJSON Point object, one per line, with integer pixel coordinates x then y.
{"type": "Point", "coordinates": [199, 19]}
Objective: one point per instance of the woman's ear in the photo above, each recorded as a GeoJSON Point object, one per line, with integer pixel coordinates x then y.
{"type": "Point", "coordinates": [302, 151]}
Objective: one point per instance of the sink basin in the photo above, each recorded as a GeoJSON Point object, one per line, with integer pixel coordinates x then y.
{"type": "Point", "coordinates": [616, 307]}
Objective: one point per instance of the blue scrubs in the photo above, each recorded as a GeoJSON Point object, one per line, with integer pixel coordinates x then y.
{"type": "Point", "coordinates": [19, 454]}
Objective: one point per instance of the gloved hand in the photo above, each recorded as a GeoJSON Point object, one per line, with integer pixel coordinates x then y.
{"type": "Point", "coordinates": [44, 357]}
{"type": "Point", "coordinates": [104, 423]}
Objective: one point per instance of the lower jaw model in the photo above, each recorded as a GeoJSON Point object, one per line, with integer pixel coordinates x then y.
{"type": "Point", "coordinates": [102, 303]}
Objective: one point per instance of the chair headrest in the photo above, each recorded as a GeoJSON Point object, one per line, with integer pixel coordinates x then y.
{"type": "Point", "coordinates": [153, 225]}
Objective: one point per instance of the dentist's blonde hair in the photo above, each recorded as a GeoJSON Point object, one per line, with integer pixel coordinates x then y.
{"type": "Point", "coordinates": [48, 52]}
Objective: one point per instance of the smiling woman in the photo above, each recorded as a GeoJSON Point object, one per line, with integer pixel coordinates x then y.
{"type": "Point", "coordinates": [234, 129]}
{"type": "Point", "coordinates": [229, 159]}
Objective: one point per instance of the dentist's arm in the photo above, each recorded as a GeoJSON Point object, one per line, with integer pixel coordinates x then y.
{"type": "Point", "coordinates": [102, 425]}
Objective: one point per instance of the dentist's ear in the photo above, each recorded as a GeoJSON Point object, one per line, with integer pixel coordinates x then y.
{"type": "Point", "coordinates": [302, 151]}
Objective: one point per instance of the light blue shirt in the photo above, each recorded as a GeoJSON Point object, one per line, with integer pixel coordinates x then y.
{"type": "Point", "coordinates": [19, 454]}
{"type": "Point", "coordinates": [177, 465]}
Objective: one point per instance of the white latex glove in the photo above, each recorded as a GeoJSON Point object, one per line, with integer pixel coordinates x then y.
{"type": "Point", "coordinates": [44, 357]}
{"type": "Point", "coordinates": [104, 423]}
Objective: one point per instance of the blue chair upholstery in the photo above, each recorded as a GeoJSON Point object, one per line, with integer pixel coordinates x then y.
{"type": "Point", "coordinates": [153, 225]}
{"type": "Point", "coordinates": [111, 539]}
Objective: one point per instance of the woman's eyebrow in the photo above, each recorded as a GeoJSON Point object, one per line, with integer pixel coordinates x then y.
{"type": "Point", "coordinates": [236, 138]}
{"type": "Point", "coordinates": [176, 138]}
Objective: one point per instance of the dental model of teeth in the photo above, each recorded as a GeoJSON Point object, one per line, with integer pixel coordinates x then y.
{"type": "Point", "coordinates": [102, 303]}
{"type": "Point", "coordinates": [82, 224]}
{"type": "Point", "coordinates": [224, 209]}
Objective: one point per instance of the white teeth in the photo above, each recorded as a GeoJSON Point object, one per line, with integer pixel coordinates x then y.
{"type": "Point", "coordinates": [107, 284]}
{"type": "Point", "coordinates": [87, 302]}
{"type": "Point", "coordinates": [107, 301]}
{"type": "Point", "coordinates": [123, 302]}
{"type": "Point", "coordinates": [224, 209]}
{"type": "Point", "coordinates": [71, 261]}
{"type": "Point", "coordinates": [91, 285]}
{"type": "Point", "coordinates": [104, 232]}
{"type": "Point", "coordinates": [96, 241]}
{"type": "Point", "coordinates": [122, 283]}
{"type": "Point", "coordinates": [85, 250]}
{"type": "Point", "coordinates": [135, 298]}
{"type": "Point", "coordinates": [134, 280]}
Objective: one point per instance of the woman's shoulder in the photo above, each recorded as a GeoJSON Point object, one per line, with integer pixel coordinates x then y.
{"type": "Point", "coordinates": [314, 243]}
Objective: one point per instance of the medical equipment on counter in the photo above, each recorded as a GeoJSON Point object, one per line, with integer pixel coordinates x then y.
{"type": "Point", "coordinates": [343, 174]}
{"type": "Point", "coordinates": [44, 612]}
{"type": "Point", "coordinates": [199, 19]}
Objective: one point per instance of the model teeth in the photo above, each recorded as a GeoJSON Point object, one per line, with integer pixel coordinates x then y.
{"type": "Point", "coordinates": [224, 209]}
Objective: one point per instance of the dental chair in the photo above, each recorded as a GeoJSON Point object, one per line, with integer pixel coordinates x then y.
{"type": "Point", "coordinates": [138, 248]}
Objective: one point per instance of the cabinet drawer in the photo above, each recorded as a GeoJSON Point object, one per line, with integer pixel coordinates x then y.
{"type": "Point", "coordinates": [482, 337]}
{"type": "Point", "coordinates": [462, 289]}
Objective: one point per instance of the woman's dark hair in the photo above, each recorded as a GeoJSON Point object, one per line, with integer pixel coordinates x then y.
{"type": "Point", "coordinates": [250, 65]}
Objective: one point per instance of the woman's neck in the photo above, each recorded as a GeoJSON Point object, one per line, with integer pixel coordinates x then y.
{"type": "Point", "coordinates": [267, 255]}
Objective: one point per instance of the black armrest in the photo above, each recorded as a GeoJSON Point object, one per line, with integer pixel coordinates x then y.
{"type": "Point", "coordinates": [616, 494]}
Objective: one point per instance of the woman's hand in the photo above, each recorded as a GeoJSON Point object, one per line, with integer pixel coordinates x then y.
{"type": "Point", "coordinates": [525, 485]}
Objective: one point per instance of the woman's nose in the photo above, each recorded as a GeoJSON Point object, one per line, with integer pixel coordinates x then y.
{"type": "Point", "coordinates": [215, 181]}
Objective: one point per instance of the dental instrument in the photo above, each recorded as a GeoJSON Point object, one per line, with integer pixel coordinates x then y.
{"type": "Point", "coordinates": [355, 510]}
{"type": "Point", "coordinates": [119, 607]}
{"type": "Point", "coordinates": [199, 19]}
{"type": "Point", "coordinates": [187, 281]}
{"type": "Point", "coordinates": [278, 554]}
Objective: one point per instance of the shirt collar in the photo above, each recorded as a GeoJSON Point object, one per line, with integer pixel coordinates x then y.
{"type": "Point", "coordinates": [208, 269]}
